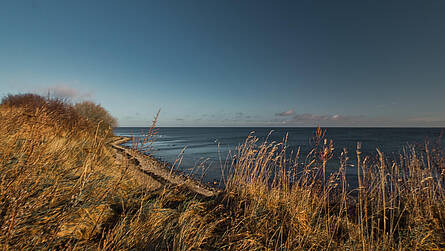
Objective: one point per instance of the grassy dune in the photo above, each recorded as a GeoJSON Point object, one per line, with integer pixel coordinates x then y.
{"type": "Point", "coordinates": [62, 187]}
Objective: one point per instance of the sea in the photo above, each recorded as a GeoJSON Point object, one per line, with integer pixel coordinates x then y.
{"type": "Point", "coordinates": [205, 152]}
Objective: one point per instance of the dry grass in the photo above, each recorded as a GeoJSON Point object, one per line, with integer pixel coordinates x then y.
{"type": "Point", "coordinates": [271, 202]}
{"type": "Point", "coordinates": [58, 187]}
{"type": "Point", "coordinates": [61, 189]}
{"type": "Point", "coordinates": [399, 205]}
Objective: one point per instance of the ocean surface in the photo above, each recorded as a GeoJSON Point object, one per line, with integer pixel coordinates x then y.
{"type": "Point", "coordinates": [205, 149]}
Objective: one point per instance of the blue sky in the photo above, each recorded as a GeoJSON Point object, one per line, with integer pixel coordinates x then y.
{"type": "Point", "coordinates": [233, 63]}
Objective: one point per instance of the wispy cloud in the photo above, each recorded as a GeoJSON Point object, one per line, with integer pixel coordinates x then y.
{"type": "Point", "coordinates": [315, 117]}
{"type": "Point", "coordinates": [310, 119]}
{"type": "Point", "coordinates": [286, 113]}
{"type": "Point", "coordinates": [65, 91]}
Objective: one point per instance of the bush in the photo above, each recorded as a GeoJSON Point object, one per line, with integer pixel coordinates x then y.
{"type": "Point", "coordinates": [59, 111]}
{"type": "Point", "coordinates": [96, 114]}
{"type": "Point", "coordinates": [82, 116]}
{"type": "Point", "coordinates": [24, 100]}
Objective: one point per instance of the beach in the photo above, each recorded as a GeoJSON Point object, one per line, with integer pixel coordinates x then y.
{"type": "Point", "coordinates": [156, 174]}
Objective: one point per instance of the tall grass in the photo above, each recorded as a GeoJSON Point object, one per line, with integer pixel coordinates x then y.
{"type": "Point", "coordinates": [61, 187]}
{"type": "Point", "coordinates": [272, 201]}
{"type": "Point", "coordinates": [58, 187]}
{"type": "Point", "coordinates": [400, 204]}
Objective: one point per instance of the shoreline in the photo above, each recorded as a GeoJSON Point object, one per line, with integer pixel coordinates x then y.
{"type": "Point", "coordinates": [159, 171]}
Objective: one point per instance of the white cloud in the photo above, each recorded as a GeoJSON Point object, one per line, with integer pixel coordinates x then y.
{"type": "Point", "coordinates": [336, 117]}
{"type": "Point", "coordinates": [286, 113]}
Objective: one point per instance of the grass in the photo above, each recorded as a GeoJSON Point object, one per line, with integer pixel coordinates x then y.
{"type": "Point", "coordinates": [61, 188]}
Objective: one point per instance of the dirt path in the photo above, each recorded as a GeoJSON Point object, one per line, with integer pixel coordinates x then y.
{"type": "Point", "coordinates": [154, 174]}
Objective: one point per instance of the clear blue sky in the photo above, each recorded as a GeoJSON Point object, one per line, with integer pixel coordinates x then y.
{"type": "Point", "coordinates": [233, 63]}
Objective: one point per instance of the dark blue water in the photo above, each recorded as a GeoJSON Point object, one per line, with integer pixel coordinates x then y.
{"type": "Point", "coordinates": [212, 145]}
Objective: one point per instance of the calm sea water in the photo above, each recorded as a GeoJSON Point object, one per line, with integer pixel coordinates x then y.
{"type": "Point", "coordinates": [211, 145]}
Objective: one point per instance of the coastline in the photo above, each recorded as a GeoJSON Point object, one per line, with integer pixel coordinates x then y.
{"type": "Point", "coordinates": [68, 184]}
{"type": "Point", "coordinates": [159, 173]}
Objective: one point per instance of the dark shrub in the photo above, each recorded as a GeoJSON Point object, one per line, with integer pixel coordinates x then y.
{"type": "Point", "coordinates": [27, 100]}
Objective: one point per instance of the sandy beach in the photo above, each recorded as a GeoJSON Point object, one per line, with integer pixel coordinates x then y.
{"type": "Point", "coordinates": [153, 173]}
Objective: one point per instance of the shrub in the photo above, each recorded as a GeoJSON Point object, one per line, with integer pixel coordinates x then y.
{"type": "Point", "coordinates": [82, 116]}
{"type": "Point", "coordinates": [96, 114]}
{"type": "Point", "coordinates": [59, 111]}
{"type": "Point", "coordinates": [24, 100]}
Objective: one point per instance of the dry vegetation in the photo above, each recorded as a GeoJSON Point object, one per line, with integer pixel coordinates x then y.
{"type": "Point", "coordinates": [95, 114]}
{"type": "Point", "coordinates": [61, 188]}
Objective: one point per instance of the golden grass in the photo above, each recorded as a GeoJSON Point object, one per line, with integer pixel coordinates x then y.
{"type": "Point", "coordinates": [399, 204]}
{"type": "Point", "coordinates": [58, 185]}
{"type": "Point", "coordinates": [271, 202]}
{"type": "Point", "coordinates": [60, 188]}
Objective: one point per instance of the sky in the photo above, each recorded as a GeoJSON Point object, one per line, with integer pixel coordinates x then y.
{"type": "Point", "coordinates": [233, 63]}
